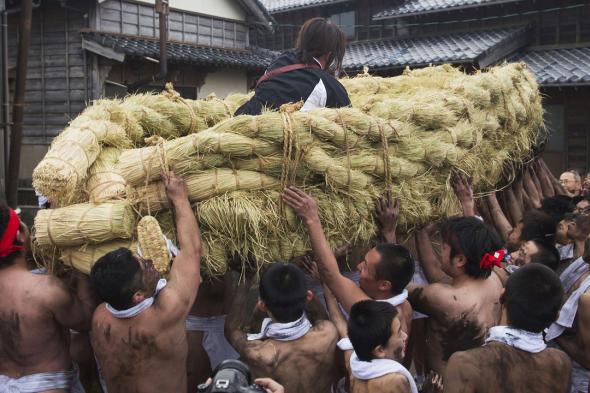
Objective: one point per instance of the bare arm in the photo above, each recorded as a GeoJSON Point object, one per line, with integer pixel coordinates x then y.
{"type": "Point", "coordinates": [237, 317]}
{"type": "Point", "coordinates": [578, 346]}
{"type": "Point", "coordinates": [429, 299]}
{"type": "Point", "coordinates": [344, 289]}
{"type": "Point", "coordinates": [335, 313]}
{"type": "Point", "coordinates": [71, 309]}
{"type": "Point", "coordinates": [428, 259]}
{"type": "Point", "coordinates": [185, 274]}
{"type": "Point", "coordinates": [513, 206]}
{"type": "Point", "coordinates": [546, 187]}
{"type": "Point", "coordinates": [557, 187]}
{"type": "Point", "coordinates": [500, 221]}
{"type": "Point", "coordinates": [532, 190]}
{"type": "Point", "coordinates": [462, 186]}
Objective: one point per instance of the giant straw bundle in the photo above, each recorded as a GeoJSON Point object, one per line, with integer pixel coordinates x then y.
{"type": "Point", "coordinates": [403, 133]}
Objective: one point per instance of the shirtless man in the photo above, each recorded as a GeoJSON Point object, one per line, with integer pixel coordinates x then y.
{"type": "Point", "coordinates": [36, 313]}
{"type": "Point", "coordinates": [373, 343]}
{"type": "Point", "coordinates": [463, 299]}
{"type": "Point", "coordinates": [515, 359]}
{"type": "Point", "coordinates": [138, 334]}
{"type": "Point", "coordinates": [288, 349]}
{"type": "Point", "coordinates": [384, 274]}
{"type": "Point", "coordinates": [531, 251]}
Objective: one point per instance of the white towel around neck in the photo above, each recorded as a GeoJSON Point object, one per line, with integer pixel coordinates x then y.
{"type": "Point", "coordinates": [568, 312]}
{"type": "Point", "coordinates": [396, 300]}
{"type": "Point", "coordinates": [573, 273]}
{"type": "Point", "coordinates": [375, 368]}
{"type": "Point", "coordinates": [282, 331]}
{"type": "Point", "coordinates": [139, 307]}
{"type": "Point", "coordinates": [517, 338]}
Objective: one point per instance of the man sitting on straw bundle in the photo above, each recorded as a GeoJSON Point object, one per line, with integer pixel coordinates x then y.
{"type": "Point", "coordinates": [515, 357]}
{"type": "Point", "coordinates": [464, 302]}
{"type": "Point", "coordinates": [35, 314]}
{"type": "Point", "coordinates": [304, 75]}
{"type": "Point", "coordinates": [138, 334]}
{"type": "Point", "coordinates": [288, 348]}
{"type": "Point", "coordinates": [384, 274]}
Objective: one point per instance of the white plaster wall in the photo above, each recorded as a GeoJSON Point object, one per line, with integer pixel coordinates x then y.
{"type": "Point", "coordinates": [229, 9]}
{"type": "Point", "coordinates": [224, 82]}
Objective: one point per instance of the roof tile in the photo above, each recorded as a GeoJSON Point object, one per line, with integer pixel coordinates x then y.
{"type": "Point", "coordinates": [274, 6]}
{"type": "Point", "coordinates": [565, 66]}
{"type": "Point", "coordinates": [414, 7]}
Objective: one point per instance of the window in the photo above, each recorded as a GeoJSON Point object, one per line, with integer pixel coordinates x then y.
{"type": "Point", "coordinates": [346, 21]}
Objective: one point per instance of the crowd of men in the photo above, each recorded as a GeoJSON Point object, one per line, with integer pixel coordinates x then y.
{"type": "Point", "coordinates": [493, 300]}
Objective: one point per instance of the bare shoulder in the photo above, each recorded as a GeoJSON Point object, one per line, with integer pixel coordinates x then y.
{"type": "Point", "coordinates": [50, 290]}
{"type": "Point", "coordinates": [398, 383]}
{"type": "Point", "coordinates": [558, 358]}
{"type": "Point", "coordinates": [325, 328]}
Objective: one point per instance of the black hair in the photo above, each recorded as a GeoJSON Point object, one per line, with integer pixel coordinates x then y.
{"type": "Point", "coordinates": [369, 326]}
{"type": "Point", "coordinates": [4, 218]}
{"type": "Point", "coordinates": [318, 37]}
{"type": "Point", "coordinates": [396, 266]}
{"type": "Point", "coordinates": [546, 255]}
{"type": "Point", "coordinates": [533, 297]}
{"type": "Point", "coordinates": [116, 277]}
{"type": "Point", "coordinates": [557, 206]}
{"type": "Point", "coordinates": [471, 237]}
{"type": "Point", "coordinates": [283, 290]}
{"type": "Point", "coordinates": [536, 224]}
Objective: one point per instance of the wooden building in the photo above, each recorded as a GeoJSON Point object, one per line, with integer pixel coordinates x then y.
{"type": "Point", "coordinates": [85, 49]}
{"type": "Point", "coordinates": [551, 36]}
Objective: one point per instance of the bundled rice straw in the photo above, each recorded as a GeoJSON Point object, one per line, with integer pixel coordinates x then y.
{"type": "Point", "coordinates": [404, 134]}
{"type": "Point", "coordinates": [84, 223]}
{"type": "Point", "coordinates": [83, 258]}
{"type": "Point", "coordinates": [152, 243]}
{"type": "Point", "coordinates": [104, 182]}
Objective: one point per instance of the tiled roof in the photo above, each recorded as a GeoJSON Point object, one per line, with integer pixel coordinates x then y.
{"type": "Point", "coordinates": [250, 58]}
{"type": "Point", "coordinates": [275, 6]}
{"type": "Point", "coordinates": [415, 7]}
{"type": "Point", "coordinates": [558, 67]}
{"type": "Point", "coordinates": [455, 48]}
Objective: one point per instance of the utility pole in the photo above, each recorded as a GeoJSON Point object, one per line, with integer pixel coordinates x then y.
{"type": "Point", "coordinates": [16, 136]}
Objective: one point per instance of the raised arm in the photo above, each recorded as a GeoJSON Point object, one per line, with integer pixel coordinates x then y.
{"type": "Point", "coordinates": [462, 186]}
{"type": "Point", "coordinates": [428, 259]}
{"type": "Point", "coordinates": [500, 221]}
{"type": "Point", "coordinates": [238, 315]}
{"type": "Point", "coordinates": [185, 273]}
{"type": "Point", "coordinates": [513, 206]}
{"type": "Point", "coordinates": [529, 184]}
{"type": "Point", "coordinates": [387, 213]}
{"type": "Point", "coordinates": [546, 187]}
{"type": "Point", "coordinates": [305, 206]}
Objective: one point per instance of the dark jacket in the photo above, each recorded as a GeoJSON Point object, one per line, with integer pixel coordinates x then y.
{"type": "Point", "coordinates": [294, 86]}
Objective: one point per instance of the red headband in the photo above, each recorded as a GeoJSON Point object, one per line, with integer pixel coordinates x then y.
{"type": "Point", "coordinates": [490, 260]}
{"type": "Point", "coordinates": [7, 245]}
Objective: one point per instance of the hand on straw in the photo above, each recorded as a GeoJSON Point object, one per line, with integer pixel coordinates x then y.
{"type": "Point", "coordinates": [175, 187]}
{"type": "Point", "coordinates": [303, 204]}
{"type": "Point", "coordinates": [311, 267]}
{"type": "Point", "coordinates": [461, 184]}
{"type": "Point", "coordinates": [387, 213]}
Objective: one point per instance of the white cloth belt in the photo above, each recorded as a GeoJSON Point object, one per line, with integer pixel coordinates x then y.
{"type": "Point", "coordinates": [282, 331]}
{"type": "Point", "coordinates": [41, 382]}
{"type": "Point", "coordinates": [139, 307]}
{"type": "Point", "coordinates": [517, 338]}
{"type": "Point", "coordinates": [396, 300]}
{"type": "Point", "coordinates": [214, 342]}
{"type": "Point", "coordinates": [568, 311]}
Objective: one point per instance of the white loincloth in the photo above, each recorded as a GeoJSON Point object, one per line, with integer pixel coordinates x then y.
{"type": "Point", "coordinates": [517, 338]}
{"type": "Point", "coordinates": [282, 331]}
{"type": "Point", "coordinates": [214, 342]}
{"type": "Point", "coordinates": [41, 382]}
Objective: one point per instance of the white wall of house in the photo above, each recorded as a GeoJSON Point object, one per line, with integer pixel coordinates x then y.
{"type": "Point", "coordinates": [224, 82]}
{"type": "Point", "coordinates": [229, 9]}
